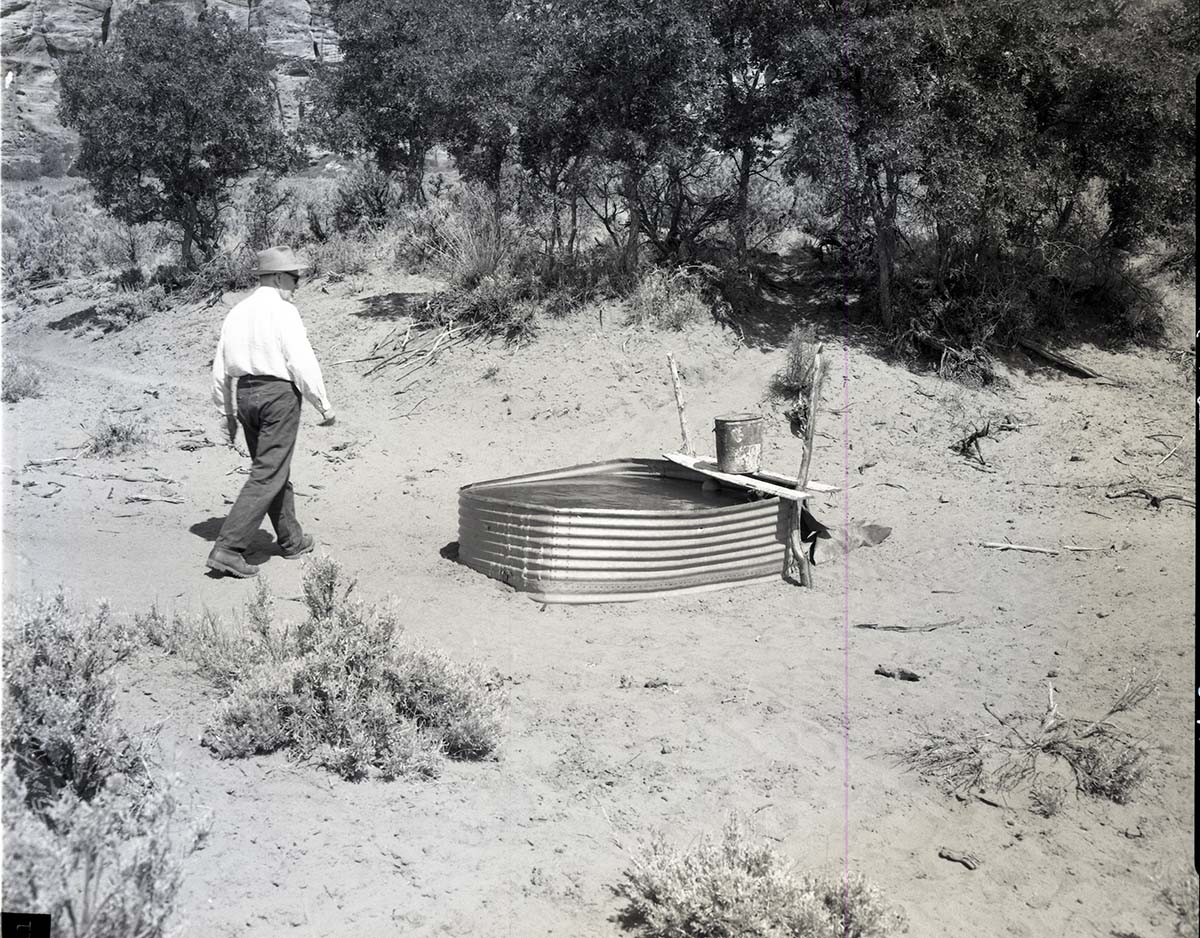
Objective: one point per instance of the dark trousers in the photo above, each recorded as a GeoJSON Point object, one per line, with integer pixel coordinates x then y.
{"type": "Point", "coordinates": [269, 412]}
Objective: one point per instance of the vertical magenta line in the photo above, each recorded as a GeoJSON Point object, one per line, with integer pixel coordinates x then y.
{"type": "Point", "coordinates": [846, 480]}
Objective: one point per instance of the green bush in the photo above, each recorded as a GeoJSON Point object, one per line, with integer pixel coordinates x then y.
{"type": "Point", "coordinates": [341, 690]}
{"type": "Point", "coordinates": [21, 379]}
{"type": "Point", "coordinates": [735, 886]}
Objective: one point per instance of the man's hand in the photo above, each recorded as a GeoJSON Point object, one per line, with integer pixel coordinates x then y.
{"type": "Point", "coordinates": [327, 419]}
{"type": "Point", "coordinates": [231, 429]}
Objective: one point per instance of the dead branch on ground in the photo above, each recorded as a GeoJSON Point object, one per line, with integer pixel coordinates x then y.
{"type": "Point", "coordinates": [1005, 545]}
{"type": "Point", "coordinates": [1105, 760]}
{"type": "Point", "coordinates": [1155, 501]}
{"type": "Point", "coordinates": [968, 446]}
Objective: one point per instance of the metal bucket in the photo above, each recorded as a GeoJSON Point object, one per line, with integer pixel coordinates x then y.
{"type": "Point", "coordinates": [739, 443]}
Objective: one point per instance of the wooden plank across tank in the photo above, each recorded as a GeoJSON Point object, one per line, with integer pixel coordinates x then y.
{"type": "Point", "coordinates": [709, 468]}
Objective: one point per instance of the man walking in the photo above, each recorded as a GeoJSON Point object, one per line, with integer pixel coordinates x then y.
{"type": "Point", "coordinates": [265, 352]}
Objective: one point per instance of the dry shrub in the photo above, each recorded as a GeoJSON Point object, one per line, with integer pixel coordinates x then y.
{"type": "Point", "coordinates": [21, 379]}
{"type": "Point", "coordinates": [668, 299]}
{"type": "Point", "coordinates": [796, 377]}
{"type": "Point", "coordinates": [114, 436]}
{"type": "Point", "coordinates": [1047, 799]}
{"type": "Point", "coordinates": [366, 198]}
{"type": "Point", "coordinates": [59, 730]}
{"type": "Point", "coordinates": [468, 237]}
{"type": "Point", "coordinates": [129, 306]}
{"type": "Point", "coordinates": [51, 235]}
{"type": "Point", "coordinates": [223, 272]}
{"type": "Point", "coordinates": [342, 689]}
{"type": "Point", "coordinates": [1181, 894]}
{"type": "Point", "coordinates": [222, 656]}
{"type": "Point", "coordinates": [501, 306]}
{"type": "Point", "coordinates": [736, 886]}
{"type": "Point", "coordinates": [91, 836]}
{"type": "Point", "coordinates": [1106, 761]}
{"type": "Point", "coordinates": [340, 256]}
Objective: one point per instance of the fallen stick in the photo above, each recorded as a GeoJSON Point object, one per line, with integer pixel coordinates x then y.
{"type": "Point", "coordinates": [680, 406]}
{"type": "Point", "coordinates": [1066, 364]}
{"type": "Point", "coordinates": [874, 626]}
{"type": "Point", "coordinates": [132, 499]}
{"type": "Point", "coordinates": [356, 361]}
{"type": "Point", "coordinates": [1084, 549]}
{"type": "Point", "coordinates": [411, 410]}
{"type": "Point", "coordinates": [36, 463]}
{"type": "Point", "coordinates": [1170, 454]}
{"type": "Point", "coordinates": [1155, 500]}
{"type": "Point", "coordinates": [110, 477]}
{"type": "Point", "coordinates": [1004, 545]}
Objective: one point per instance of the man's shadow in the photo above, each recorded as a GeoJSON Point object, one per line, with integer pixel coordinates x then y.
{"type": "Point", "coordinates": [262, 546]}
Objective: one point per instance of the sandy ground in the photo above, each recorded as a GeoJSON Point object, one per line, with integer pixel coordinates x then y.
{"type": "Point", "coordinates": [772, 706]}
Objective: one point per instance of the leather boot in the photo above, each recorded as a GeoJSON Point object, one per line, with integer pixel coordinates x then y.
{"type": "Point", "coordinates": [230, 562]}
{"type": "Point", "coordinates": [307, 543]}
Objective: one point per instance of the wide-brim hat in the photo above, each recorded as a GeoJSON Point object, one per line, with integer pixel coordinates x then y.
{"type": "Point", "coordinates": [278, 260]}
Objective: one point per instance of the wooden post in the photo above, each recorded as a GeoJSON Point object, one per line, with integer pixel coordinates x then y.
{"type": "Point", "coordinates": [796, 568]}
{"type": "Point", "coordinates": [679, 406]}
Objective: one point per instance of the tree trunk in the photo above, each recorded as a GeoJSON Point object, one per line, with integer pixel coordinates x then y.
{"type": "Point", "coordinates": [883, 210]}
{"type": "Point", "coordinates": [633, 239]}
{"type": "Point", "coordinates": [574, 222]}
{"type": "Point", "coordinates": [885, 255]}
{"type": "Point", "coordinates": [186, 261]}
{"type": "Point", "coordinates": [742, 203]}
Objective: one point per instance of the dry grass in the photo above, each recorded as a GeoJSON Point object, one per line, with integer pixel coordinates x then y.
{"type": "Point", "coordinates": [796, 377]}
{"type": "Point", "coordinates": [114, 436]}
{"type": "Point", "coordinates": [668, 299]}
{"type": "Point", "coordinates": [1106, 761]}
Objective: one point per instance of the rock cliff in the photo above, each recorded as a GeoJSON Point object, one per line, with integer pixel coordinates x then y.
{"type": "Point", "coordinates": [35, 35]}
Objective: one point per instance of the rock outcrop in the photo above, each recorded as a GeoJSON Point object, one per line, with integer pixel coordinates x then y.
{"type": "Point", "coordinates": [35, 36]}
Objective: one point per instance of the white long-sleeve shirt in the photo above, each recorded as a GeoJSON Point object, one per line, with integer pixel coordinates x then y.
{"type": "Point", "coordinates": [263, 335]}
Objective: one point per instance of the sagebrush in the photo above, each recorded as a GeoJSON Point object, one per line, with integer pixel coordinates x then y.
{"type": "Point", "coordinates": [92, 835]}
{"type": "Point", "coordinates": [343, 688]}
{"type": "Point", "coordinates": [21, 379]}
{"type": "Point", "coordinates": [737, 886]}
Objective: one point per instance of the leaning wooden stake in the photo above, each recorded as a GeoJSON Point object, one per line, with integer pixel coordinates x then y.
{"type": "Point", "coordinates": [796, 567]}
{"type": "Point", "coordinates": [679, 406]}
